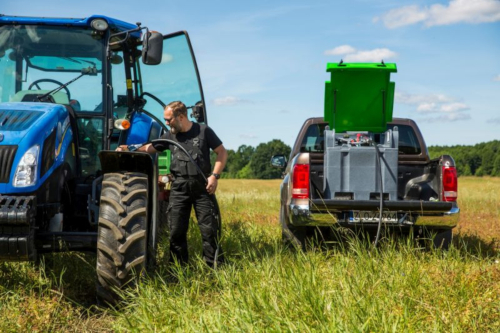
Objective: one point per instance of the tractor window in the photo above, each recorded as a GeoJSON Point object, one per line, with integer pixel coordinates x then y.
{"type": "Point", "coordinates": [119, 83]}
{"type": "Point", "coordinates": [35, 60]}
{"type": "Point", "coordinates": [90, 138]}
{"type": "Point", "coordinates": [7, 75]}
{"type": "Point", "coordinates": [174, 79]}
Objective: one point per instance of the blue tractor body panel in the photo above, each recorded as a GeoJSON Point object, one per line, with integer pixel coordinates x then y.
{"type": "Point", "coordinates": [28, 124]}
{"type": "Point", "coordinates": [76, 22]}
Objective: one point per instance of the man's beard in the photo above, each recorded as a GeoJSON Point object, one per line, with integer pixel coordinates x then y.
{"type": "Point", "coordinates": [176, 128]}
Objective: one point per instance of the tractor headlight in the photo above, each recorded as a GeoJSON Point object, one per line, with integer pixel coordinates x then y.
{"type": "Point", "coordinates": [26, 169]}
{"type": "Point", "coordinates": [99, 24]}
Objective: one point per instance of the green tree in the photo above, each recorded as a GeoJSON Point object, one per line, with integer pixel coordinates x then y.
{"type": "Point", "coordinates": [260, 164]}
{"type": "Point", "coordinates": [241, 158]}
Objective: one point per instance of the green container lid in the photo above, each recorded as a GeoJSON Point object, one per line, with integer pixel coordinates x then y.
{"type": "Point", "coordinates": [359, 97]}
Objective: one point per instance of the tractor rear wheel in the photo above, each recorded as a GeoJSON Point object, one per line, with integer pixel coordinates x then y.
{"type": "Point", "coordinates": [122, 233]}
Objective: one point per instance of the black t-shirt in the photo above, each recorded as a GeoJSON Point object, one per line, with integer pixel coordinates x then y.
{"type": "Point", "coordinates": [211, 140]}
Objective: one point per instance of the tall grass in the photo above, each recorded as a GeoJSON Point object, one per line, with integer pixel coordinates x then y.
{"type": "Point", "coordinates": [267, 287]}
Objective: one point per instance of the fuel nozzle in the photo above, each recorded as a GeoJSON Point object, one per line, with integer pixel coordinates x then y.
{"type": "Point", "coordinates": [134, 147]}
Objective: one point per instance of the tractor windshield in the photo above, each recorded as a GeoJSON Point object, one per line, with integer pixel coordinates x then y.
{"type": "Point", "coordinates": [35, 60]}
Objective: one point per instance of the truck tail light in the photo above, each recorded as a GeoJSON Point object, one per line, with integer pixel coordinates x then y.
{"type": "Point", "coordinates": [300, 189]}
{"type": "Point", "coordinates": [450, 184]}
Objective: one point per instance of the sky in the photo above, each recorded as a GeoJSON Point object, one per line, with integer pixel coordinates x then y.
{"type": "Point", "coordinates": [263, 63]}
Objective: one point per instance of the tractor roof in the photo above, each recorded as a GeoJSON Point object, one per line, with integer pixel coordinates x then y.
{"type": "Point", "coordinates": [76, 22]}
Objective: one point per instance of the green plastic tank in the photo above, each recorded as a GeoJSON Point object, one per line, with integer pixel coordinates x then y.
{"type": "Point", "coordinates": [359, 96]}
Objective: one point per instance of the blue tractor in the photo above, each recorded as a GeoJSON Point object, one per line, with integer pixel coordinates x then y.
{"type": "Point", "coordinates": [71, 90]}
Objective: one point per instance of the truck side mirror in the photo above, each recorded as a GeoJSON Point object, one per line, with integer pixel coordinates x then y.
{"type": "Point", "coordinates": [152, 48]}
{"type": "Point", "coordinates": [278, 161]}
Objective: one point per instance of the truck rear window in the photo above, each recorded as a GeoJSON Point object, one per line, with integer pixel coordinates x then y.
{"type": "Point", "coordinates": [314, 140]}
{"type": "Point", "coordinates": [408, 142]}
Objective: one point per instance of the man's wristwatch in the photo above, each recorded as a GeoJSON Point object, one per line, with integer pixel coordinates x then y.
{"type": "Point", "coordinates": [216, 175]}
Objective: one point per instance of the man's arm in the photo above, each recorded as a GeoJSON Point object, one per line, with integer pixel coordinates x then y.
{"type": "Point", "coordinates": [146, 148]}
{"type": "Point", "coordinates": [219, 165]}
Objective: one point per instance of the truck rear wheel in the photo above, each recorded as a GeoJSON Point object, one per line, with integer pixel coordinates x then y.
{"type": "Point", "coordinates": [443, 239]}
{"type": "Point", "coordinates": [122, 232]}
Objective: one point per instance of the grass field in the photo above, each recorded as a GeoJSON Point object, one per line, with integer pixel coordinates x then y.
{"type": "Point", "coordinates": [266, 287]}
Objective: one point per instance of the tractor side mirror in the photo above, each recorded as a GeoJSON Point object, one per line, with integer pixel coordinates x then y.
{"type": "Point", "coordinates": [152, 48]}
{"type": "Point", "coordinates": [198, 112]}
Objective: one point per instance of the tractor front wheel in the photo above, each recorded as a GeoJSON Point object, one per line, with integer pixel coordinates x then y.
{"type": "Point", "coordinates": [122, 233]}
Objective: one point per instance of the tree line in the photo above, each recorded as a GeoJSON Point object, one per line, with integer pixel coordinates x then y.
{"type": "Point", "coordinates": [482, 159]}
{"type": "Point", "coordinates": [247, 162]}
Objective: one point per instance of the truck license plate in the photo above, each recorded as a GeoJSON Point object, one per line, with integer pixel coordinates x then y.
{"type": "Point", "coordinates": [371, 217]}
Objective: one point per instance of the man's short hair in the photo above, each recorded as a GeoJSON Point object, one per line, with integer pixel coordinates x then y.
{"type": "Point", "coordinates": [178, 108]}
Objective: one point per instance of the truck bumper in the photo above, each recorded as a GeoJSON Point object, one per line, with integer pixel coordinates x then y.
{"type": "Point", "coordinates": [442, 215]}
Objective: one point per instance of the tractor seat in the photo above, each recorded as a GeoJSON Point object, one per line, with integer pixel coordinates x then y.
{"type": "Point", "coordinates": [24, 96]}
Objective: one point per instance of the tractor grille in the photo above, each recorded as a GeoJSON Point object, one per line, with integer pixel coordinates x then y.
{"type": "Point", "coordinates": [7, 154]}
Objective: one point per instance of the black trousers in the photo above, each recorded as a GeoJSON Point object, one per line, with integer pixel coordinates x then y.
{"type": "Point", "coordinates": [184, 194]}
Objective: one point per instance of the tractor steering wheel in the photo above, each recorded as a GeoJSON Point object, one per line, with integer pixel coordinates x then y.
{"type": "Point", "coordinates": [35, 83]}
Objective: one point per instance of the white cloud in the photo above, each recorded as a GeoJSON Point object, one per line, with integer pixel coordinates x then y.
{"type": "Point", "coordinates": [353, 55]}
{"type": "Point", "coordinates": [166, 57]}
{"type": "Point", "coordinates": [494, 120]}
{"type": "Point", "coordinates": [496, 78]}
{"type": "Point", "coordinates": [457, 11]}
{"type": "Point", "coordinates": [403, 16]}
{"type": "Point", "coordinates": [229, 101]}
{"type": "Point", "coordinates": [444, 107]}
{"type": "Point", "coordinates": [452, 117]}
{"type": "Point", "coordinates": [405, 98]}
{"type": "Point", "coordinates": [340, 50]}
{"type": "Point", "coordinates": [453, 107]}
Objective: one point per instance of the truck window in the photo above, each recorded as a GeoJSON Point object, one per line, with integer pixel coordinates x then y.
{"type": "Point", "coordinates": [408, 142]}
{"type": "Point", "coordinates": [314, 140]}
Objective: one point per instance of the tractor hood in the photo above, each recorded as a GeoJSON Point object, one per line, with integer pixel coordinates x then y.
{"type": "Point", "coordinates": [24, 127]}
{"type": "Point", "coordinates": [359, 97]}
{"type": "Point", "coordinates": [17, 120]}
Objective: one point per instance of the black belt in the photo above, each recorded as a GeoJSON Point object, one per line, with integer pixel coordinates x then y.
{"type": "Point", "coordinates": [197, 177]}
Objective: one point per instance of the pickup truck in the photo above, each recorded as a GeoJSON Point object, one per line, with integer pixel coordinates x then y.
{"type": "Point", "coordinates": [425, 202]}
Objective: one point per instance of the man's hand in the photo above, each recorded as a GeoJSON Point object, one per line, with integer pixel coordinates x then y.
{"type": "Point", "coordinates": [212, 185]}
{"type": "Point", "coordinates": [122, 148]}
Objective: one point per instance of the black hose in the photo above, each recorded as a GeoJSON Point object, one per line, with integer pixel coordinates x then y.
{"type": "Point", "coordinates": [381, 196]}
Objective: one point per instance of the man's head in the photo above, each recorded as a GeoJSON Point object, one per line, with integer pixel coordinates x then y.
{"type": "Point", "coordinates": [175, 115]}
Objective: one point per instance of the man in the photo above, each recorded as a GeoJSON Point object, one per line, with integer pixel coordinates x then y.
{"type": "Point", "coordinates": [188, 187]}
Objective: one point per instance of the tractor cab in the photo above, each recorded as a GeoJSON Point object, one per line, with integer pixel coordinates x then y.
{"type": "Point", "coordinates": [93, 68]}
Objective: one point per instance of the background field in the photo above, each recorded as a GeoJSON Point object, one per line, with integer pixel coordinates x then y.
{"type": "Point", "coordinates": [266, 287]}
